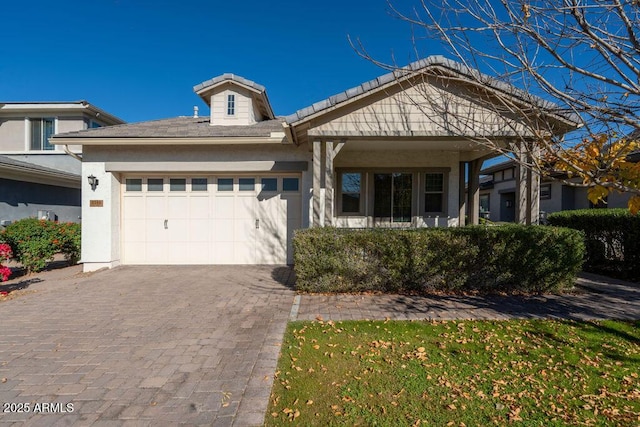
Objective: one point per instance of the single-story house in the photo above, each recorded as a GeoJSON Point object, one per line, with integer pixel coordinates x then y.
{"type": "Point", "coordinates": [231, 188]}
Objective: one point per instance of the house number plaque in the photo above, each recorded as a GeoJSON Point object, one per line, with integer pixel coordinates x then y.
{"type": "Point", "coordinates": [96, 203]}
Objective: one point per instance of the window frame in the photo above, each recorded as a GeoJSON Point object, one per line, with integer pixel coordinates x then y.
{"type": "Point", "coordinates": [424, 192]}
{"type": "Point", "coordinates": [284, 190]}
{"type": "Point", "coordinates": [231, 104]}
{"type": "Point", "coordinates": [545, 196]}
{"type": "Point", "coordinates": [43, 141]}
{"type": "Point", "coordinates": [339, 193]}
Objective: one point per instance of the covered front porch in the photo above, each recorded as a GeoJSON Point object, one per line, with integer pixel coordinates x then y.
{"type": "Point", "coordinates": [408, 182]}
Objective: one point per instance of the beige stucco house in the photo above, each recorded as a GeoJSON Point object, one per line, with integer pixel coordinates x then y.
{"type": "Point", "coordinates": [232, 187]}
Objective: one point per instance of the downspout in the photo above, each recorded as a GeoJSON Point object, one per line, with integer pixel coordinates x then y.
{"type": "Point", "coordinates": [65, 147]}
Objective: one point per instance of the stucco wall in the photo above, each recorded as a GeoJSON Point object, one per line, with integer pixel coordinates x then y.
{"type": "Point", "coordinates": [12, 134]}
{"type": "Point", "coordinates": [20, 199]}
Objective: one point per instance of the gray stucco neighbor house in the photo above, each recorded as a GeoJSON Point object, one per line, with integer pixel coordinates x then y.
{"type": "Point", "coordinates": [38, 179]}
{"type": "Point", "coordinates": [231, 188]}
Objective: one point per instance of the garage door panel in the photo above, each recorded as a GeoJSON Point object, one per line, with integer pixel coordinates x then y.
{"type": "Point", "coordinates": [223, 230]}
{"type": "Point", "coordinates": [155, 207]}
{"type": "Point", "coordinates": [135, 252]}
{"type": "Point", "coordinates": [223, 207]}
{"type": "Point", "coordinates": [199, 230]}
{"type": "Point", "coordinates": [134, 230]}
{"type": "Point", "coordinates": [199, 207]}
{"type": "Point", "coordinates": [199, 253]}
{"type": "Point", "coordinates": [155, 253]}
{"type": "Point", "coordinates": [177, 230]}
{"type": "Point", "coordinates": [134, 208]}
{"type": "Point", "coordinates": [177, 207]}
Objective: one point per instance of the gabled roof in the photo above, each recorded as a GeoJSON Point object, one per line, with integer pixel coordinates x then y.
{"type": "Point", "coordinates": [435, 62]}
{"type": "Point", "coordinates": [35, 107]}
{"type": "Point", "coordinates": [184, 128]}
{"type": "Point", "coordinates": [204, 90]}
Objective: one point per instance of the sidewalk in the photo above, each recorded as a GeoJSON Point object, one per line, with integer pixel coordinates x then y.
{"type": "Point", "coordinates": [596, 297]}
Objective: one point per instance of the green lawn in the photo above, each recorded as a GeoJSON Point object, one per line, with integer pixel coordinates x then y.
{"type": "Point", "coordinates": [471, 373]}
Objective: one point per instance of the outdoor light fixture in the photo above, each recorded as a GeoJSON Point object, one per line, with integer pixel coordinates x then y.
{"type": "Point", "coordinates": [93, 182]}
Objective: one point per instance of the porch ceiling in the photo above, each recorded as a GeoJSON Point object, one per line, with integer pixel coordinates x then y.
{"type": "Point", "coordinates": [414, 145]}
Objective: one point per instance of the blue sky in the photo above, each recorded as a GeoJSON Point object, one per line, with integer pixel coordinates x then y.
{"type": "Point", "coordinates": [139, 59]}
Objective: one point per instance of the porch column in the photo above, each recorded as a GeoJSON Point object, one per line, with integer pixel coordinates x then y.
{"type": "Point", "coordinates": [462, 197]}
{"type": "Point", "coordinates": [473, 200]}
{"type": "Point", "coordinates": [522, 187]}
{"type": "Point", "coordinates": [317, 181]}
{"type": "Point", "coordinates": [533, 184]}
{"type": "Point", "coordinates": [328, 181]}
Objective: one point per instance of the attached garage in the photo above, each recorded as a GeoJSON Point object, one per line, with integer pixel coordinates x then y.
{"type": "Point", "coordinates": [209, 219]}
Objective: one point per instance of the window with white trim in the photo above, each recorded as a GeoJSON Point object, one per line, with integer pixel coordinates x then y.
{"type": "Point", "coordinates": [41, 131]}
{"type": "Point", "coordinates": [434, 192]}
{"type": "Point", "coordinates": [351, 192]}
{"type": "Point", "coordinates": [231, 105]}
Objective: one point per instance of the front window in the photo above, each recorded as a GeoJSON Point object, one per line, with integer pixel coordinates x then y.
{"type": "Point", "coordinates": [231, 105]}
{"type": "Point", "coordinates": [392, 196]}
{"type": "Point", "coordinates": [351, 189]}
{"type": "Point", "coordinates": [545, 192]}
{"type": "Point", "coordinates": [434, 193]}
{"type": "Point", "coordinates": [41, 131]}
{"type": "Point", "coordinates": [484, 203]}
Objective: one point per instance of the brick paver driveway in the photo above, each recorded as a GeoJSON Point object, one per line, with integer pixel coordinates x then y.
{"type": "Point", "coordinates": [145, 346]}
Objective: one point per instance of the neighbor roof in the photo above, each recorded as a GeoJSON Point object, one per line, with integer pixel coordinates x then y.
{"type": "Point", "coordinates": [413, 69]}
{"type": "Point", "coordinates": [179, 127]}
{"type": "Point", "coordinates": [34, 106]}
{"type": "Point", "coordinates": [18, 166]}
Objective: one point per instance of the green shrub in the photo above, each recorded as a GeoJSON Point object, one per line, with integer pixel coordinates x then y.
{"type": "Point", "coordinates": [510, 259]}
{"type": "Point", "coordinates": [34, 242]}
{"type": "Point", "coordinates": [612, 239]}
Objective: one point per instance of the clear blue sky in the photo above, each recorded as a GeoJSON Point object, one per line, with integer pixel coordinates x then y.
{"type": "Point", "coordinates": [139, 59]}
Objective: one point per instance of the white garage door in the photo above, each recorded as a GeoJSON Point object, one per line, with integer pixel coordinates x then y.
{"type": "Point", "coordinates": [210, 219]}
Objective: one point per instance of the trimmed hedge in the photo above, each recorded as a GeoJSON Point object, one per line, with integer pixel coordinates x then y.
{"type": "Point", "coordinates": [612, 239]}
{"type": "Point", "coordinates": [511, 259]}
{"type": "Point", "coordinates": [34, 242]}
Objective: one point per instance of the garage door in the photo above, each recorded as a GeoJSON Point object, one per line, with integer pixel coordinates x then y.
{"type": "Point", "coordinates": [210, 219]}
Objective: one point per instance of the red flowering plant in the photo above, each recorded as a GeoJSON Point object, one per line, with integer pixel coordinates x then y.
{"type": "Point", "coordinates": [5, 255]}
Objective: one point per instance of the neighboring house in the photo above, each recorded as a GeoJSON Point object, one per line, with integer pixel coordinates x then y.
{"type": "Point", "coordinates": [232, 188]}
{"type": "Point", "coordinates": [498, 194]}
{"type": "Point", "coordinates": [38, 179]}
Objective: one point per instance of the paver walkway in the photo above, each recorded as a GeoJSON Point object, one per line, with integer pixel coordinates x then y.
{"type": "Point", "coordinates": [145, 345]}
{"type": "Point", "coordinates": [597, 297]}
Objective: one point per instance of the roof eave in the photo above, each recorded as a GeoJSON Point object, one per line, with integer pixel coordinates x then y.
{"type": "Point", "coordinates": [275, 138]}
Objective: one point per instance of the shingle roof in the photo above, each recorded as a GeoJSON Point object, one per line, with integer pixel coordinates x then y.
{"type": "Point", "coordinates": [178, 127]}
{"type": "Point", "coordinates": [10, 163]}
{"type": "Point", "coordinates": [412, 69]}
{"type": "Point", "coordinates": [225, 77]}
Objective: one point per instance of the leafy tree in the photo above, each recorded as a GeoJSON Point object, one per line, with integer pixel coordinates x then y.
{"type": "Point", "coordinates": [577, 59]}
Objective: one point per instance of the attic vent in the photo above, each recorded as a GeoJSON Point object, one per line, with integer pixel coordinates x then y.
{"type": "Point", "coordinates": [195, 111]}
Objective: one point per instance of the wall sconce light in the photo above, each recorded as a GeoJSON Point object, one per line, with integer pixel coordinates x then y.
{"type": "Point", "coordinates": [93, 182]}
